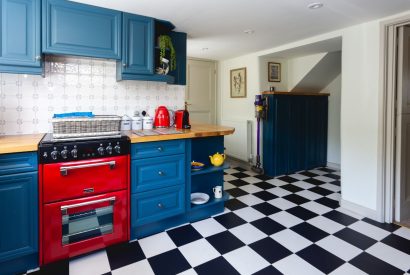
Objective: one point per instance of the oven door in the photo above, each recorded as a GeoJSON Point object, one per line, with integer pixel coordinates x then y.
{"type": "Point", "coordinates": [74, 227]}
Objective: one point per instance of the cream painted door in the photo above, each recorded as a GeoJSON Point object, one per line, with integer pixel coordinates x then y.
{"type": "Point", "coordinates": [201, 90]}
{"type": "Point", "coordinates": [402, 198]}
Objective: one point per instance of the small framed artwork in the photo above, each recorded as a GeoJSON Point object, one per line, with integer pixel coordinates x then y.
{"type": "Point", "coordinates": [238, 83]}
{"type": "Point", "coordinates": [274, 72]}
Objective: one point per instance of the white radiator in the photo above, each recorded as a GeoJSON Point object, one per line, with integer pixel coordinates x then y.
{"type": "Point", "coordinates": [239, 144]}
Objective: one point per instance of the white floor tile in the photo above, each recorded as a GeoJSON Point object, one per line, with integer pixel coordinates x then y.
{"type": "Point", "coordinates": [347, 269]}
{"type": "Point", "coordinates": [299, 176]}
{"type": "Point", "coordinates": [199, 252]}
{"type": "Point", "coordinates": [318, 172]}
{"type": "Point", "coordinates": [369, 230]}
{"type": "Point", "coordinates": [156, 244]}
{"type": "Point", "coordinates": [340, 248]}
{"type": "Point", "coordinates": [331, 187]}
{"type": "Point", "coordinates": [229, 177]}
{"type": "Point", "coordinates": [335, 196]}
{"type": "Point", "coordinates": [141, 268]}
{"type": "Point", "coordinates": [350, 213]}
{"type": "Point", "coordinates": [303, 184]}
{"type": "Point", "coordinates": [188, 272]}
{"type": "Point", "coordinates": [323, 178]}
{"type": "Point", "coordinates": [277, 182]}
{"type": "Point", "coordinates": [291, 240]}
{"type": "Point", "coordinates": [250, 188]}
{"type": "Point", "coordinates": [326, 224]}
{"type": "Point", "coordinates": [208, 227]}
{"type": "Point", "coordinates": [390, 255]}
{"type": "Point", "coordinates": [317, 208]}
{"type": "Point", "coordinates": [282, 203]}
{"type": "Point", "coordinates": [230, 171]}
{"type": "Point", "coordinates": [250, 173]}
{"type": "Point", "coordinates": [286, 219]}
{"type": "Point", "coordinates": [249, 214]}
{"type": "Point", "coordinates": [280, 192]}
{"type": "Point", "coordinates": [228, 186]}
{"type": "Point", "coordinates": [294, 265]}
{"type": "Point", "coordinates": [248, 233]}
{"type": "Point", "coordinates": [403, 232]}
{"type": "Point", "coordinates": [94, 264]}
{"type": "Point", "coordinates": [251, 180]}
{"type": "Point", "coordinates": [245, 260]}
{"type": "Point", "coordinates": [309, 195]}
{"type": "Point", "coordinates": [250, 199]}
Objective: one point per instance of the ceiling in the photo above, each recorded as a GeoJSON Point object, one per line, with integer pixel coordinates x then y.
{"type": "Point", "coordinates": [216, 27]}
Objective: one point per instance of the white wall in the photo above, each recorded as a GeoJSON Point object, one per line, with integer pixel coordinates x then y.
{"type": "Point", "coordinates": [300, 66]}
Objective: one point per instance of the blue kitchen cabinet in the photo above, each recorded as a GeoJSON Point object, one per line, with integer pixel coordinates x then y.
{"type": "Point", "coordinates": [20, 36]}
{"type": "Point", "coordinates": [19, 214]}
{"type": "Point", "coordinates": [179, 40]}
{"type": "Point", "coordinates": [71, 28]}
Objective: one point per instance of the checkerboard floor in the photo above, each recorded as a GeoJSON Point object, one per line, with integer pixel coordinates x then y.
{"type": "Point", "coordinates": [286, 225]}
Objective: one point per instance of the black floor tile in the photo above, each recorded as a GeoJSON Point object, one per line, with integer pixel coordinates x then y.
{"type": "Point", "coordinates": [340, 217]}
{"type": "Point", "coordinates": [268, 226]}
{"type": "Point", "coordinates": [236, 192]}
{"type": "Point", "coordinates": [224, 242]}
{"type": "Point", "coordinates": [265, 195]}
{"type": "Point", "coordinates": [336, 182]}
{"type": "Point", "coordinates": [216, 266]}
{"type": "Point", "coordinates": [288, 179]}
{"type": "Point", "coordinates": [320, 191]}
{"type": "Point", "coordinates": [270, 250]}
{"type": "Point", "coordinates": [270, 270]}
{"type": "Point", "coordinates": [296, 199]}
{"type": "Point", "coordinates": [264, 185]}
{"type": "Point", "coordinates": [184, 234]}
{"type": "Point", "coordinates": [234, 204]}
{"type": "Point", "coordinates": [355, 238]}
{"type": "Point", "coordinates": [291, 188]}
{"type": "Point", "coordinates": [170, 262]}
{"type": "Point", "coordinates": [309, 231]}
{"type": "Point", "coordinates": [398, 242]}
{"type": "Point", "coordinates": [332, 176]}
{"type": "Point", "coordinates": [108, 273]}
{"type": "Point", "coordinates": [263, 177]}
{"type": "Point", "coordinates": [320, 258]}
{"type": "Point", "coordinates": [124, 254]}
{"type": "Point", "coordinates": [308, 174]}
{"type": "Point", "coordinates": [229, 220]}
{"type": "Point", "coordinates": [374, 266]}
{"type": "Point", "coordinates": [314, 181]}
{"type": "Point", "coordinates": [391, 227]}
{"type": "Point", "coordinates": [240, 169]}
{"type": "Point", "coordinates": [325, 169]}
{"type": "Point", "coordinates": [60, 268]}
{"type": "Point", "coordinates": [266, 208]}
{"type": "Point", "coordinates": [328, 202]}
{"type": "Point", "coordinates": [240, 175]}
{"type": "Point", "coordinates": [302, 213]}
{"type": "Point", "coordinates": [238, 182]}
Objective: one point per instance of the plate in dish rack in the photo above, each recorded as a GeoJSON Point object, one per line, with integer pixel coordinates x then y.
{"type": "Point", "coordinates": [199, 198]}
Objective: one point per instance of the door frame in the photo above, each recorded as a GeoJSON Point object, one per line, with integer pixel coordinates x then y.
{"type": "Point", "coordinates": [387, 116]}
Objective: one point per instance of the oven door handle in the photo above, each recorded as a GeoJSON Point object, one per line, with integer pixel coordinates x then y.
{"type": "Point", "coordinates": [64, 169]}
{"type": "Point", "coordinates": [64, 208]}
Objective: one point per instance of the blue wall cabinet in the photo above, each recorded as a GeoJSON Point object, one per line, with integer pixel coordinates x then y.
{"type": "Point", "coordinates": [138, 45]}
{"type": "Point", "coordinates": [19, 215]}
{"type": "Point", "coordinates": [294, 133]}
{"type": "Point", "coordinates": [179, 41]}
{"type": "Point", "coordinates": [76, 29]}
{"type": "Point", "coordinates": [20, 36]}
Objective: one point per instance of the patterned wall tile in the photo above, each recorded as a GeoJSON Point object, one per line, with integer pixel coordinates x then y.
{"type": "Point", "coordinates": [72, 84]}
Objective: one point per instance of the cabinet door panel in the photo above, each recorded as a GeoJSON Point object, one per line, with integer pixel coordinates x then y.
{"type": "Point", "coordinates": [19, 211]}
{"type": "Point", "coordinates": [138, 44]}
{"type": "Point", "coordinates": [281, 135]}
{"type": "Point", "coordinates": [20, 33]}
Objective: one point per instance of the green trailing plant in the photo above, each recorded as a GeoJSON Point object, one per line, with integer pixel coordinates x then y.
{"type": "Point", "coordinates": [165, 42]}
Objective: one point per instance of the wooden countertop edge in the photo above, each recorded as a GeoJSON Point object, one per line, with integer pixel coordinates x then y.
{"type": "Point", "coordinates": [19, 143]}
{"type": "Point", "coordinates": [293, 93]}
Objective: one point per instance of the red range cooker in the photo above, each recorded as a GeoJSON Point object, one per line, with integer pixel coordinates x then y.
{"type": "Point", "coordinates": [84, 191]}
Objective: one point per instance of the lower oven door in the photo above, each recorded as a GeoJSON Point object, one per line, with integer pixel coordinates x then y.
{"type": "Point", "coordinates": [74, 227]}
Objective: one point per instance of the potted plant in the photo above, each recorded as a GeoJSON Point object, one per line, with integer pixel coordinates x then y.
{"type": "Point", "coordinates": [164, 43]}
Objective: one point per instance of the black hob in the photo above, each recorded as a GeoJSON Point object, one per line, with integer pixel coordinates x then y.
{"type": "Point", "coordinates": [63, 150]}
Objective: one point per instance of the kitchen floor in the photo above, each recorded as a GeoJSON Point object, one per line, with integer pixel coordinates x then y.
{"type": "Point", "coordinates": [290, 224]}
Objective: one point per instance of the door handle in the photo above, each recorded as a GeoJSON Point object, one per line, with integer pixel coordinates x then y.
{"type": "Point", "coordinates": [64, 169]}
{"type": "Point", "coordinates": [64, 208]}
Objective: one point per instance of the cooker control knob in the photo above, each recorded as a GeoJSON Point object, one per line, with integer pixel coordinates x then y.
{"type": "Point", "coordinates": [109, 149]}
{"type": "Point", "coordinates": [54, 155]}
{"type": "Point", "coordinates": [74, 153]}
{"type": "Point", "coordinates": [100, 151]}
{"type": "Point", "coordinates": [117, 149]}
{"type": "Point", "coordinates": [64, 154]}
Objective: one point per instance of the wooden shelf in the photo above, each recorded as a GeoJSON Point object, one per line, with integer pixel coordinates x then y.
{"type": "Point", "coordinates": [211, 201]}
{"type": "Point", "coordinates": [210, 169]}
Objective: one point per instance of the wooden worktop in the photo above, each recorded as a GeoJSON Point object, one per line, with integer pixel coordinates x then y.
{"type": "Point", "coordinates": [19, 143]}
{"type": "Point", "coordinates": [196, 131]}
{"type": "Point", "coordinates": [293, 93]}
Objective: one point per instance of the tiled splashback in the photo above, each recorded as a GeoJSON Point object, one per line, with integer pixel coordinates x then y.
{"type": "Point", "coordinates": [28, 102]}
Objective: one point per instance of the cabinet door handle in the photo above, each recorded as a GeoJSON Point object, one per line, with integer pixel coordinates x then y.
{"type": "Point", "coordinates": [124, 65]}
{"type": "Point", "coordinates": [161, 173]}
{"type": "Point", "coordinates": [160, 149]}
{"type": "Point", "coordinates": [160, 205]}
{"type": "Point", "coordinates": [38, 57]}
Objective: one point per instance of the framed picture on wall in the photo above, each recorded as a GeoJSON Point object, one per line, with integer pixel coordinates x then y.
{"type": "Point", "coordinates": [238, 83]}
{"type": "Point", "coordinates": [274, 72]}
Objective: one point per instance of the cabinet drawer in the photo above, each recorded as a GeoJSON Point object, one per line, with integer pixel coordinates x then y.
{"type": "Point", "coordinates": [154, 173]}
{"type": "Point", "coordinates": [18, 163]}
{"type": "Point", "coordinates": [156, 205]}
{"type": "Point", "coordinates": [158, 148]}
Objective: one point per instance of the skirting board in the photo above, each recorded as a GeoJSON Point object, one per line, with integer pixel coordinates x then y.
{"type": "Point", "coordinates": [333, 165]}
{"type": "Point", "coordinates": [361, 210]}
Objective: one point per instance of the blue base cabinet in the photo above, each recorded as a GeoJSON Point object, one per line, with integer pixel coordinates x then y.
{"type": "Point", "coordinates": [18, 212]}
{"type": "Point", "coordinates": [20, 36]}
{"type": "Point", "coordinates": [294, 133]}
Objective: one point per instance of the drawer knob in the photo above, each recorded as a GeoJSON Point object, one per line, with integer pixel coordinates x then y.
{"type": "Point", "coordinates": [161, 173]}
{"type": "Point", "coordinates": [160, 149]}
{"type": "Point", "coordinates": [160, 205]}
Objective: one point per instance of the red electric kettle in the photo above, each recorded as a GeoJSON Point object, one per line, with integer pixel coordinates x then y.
{"type": "Point", "coordinates": [161, 119]}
